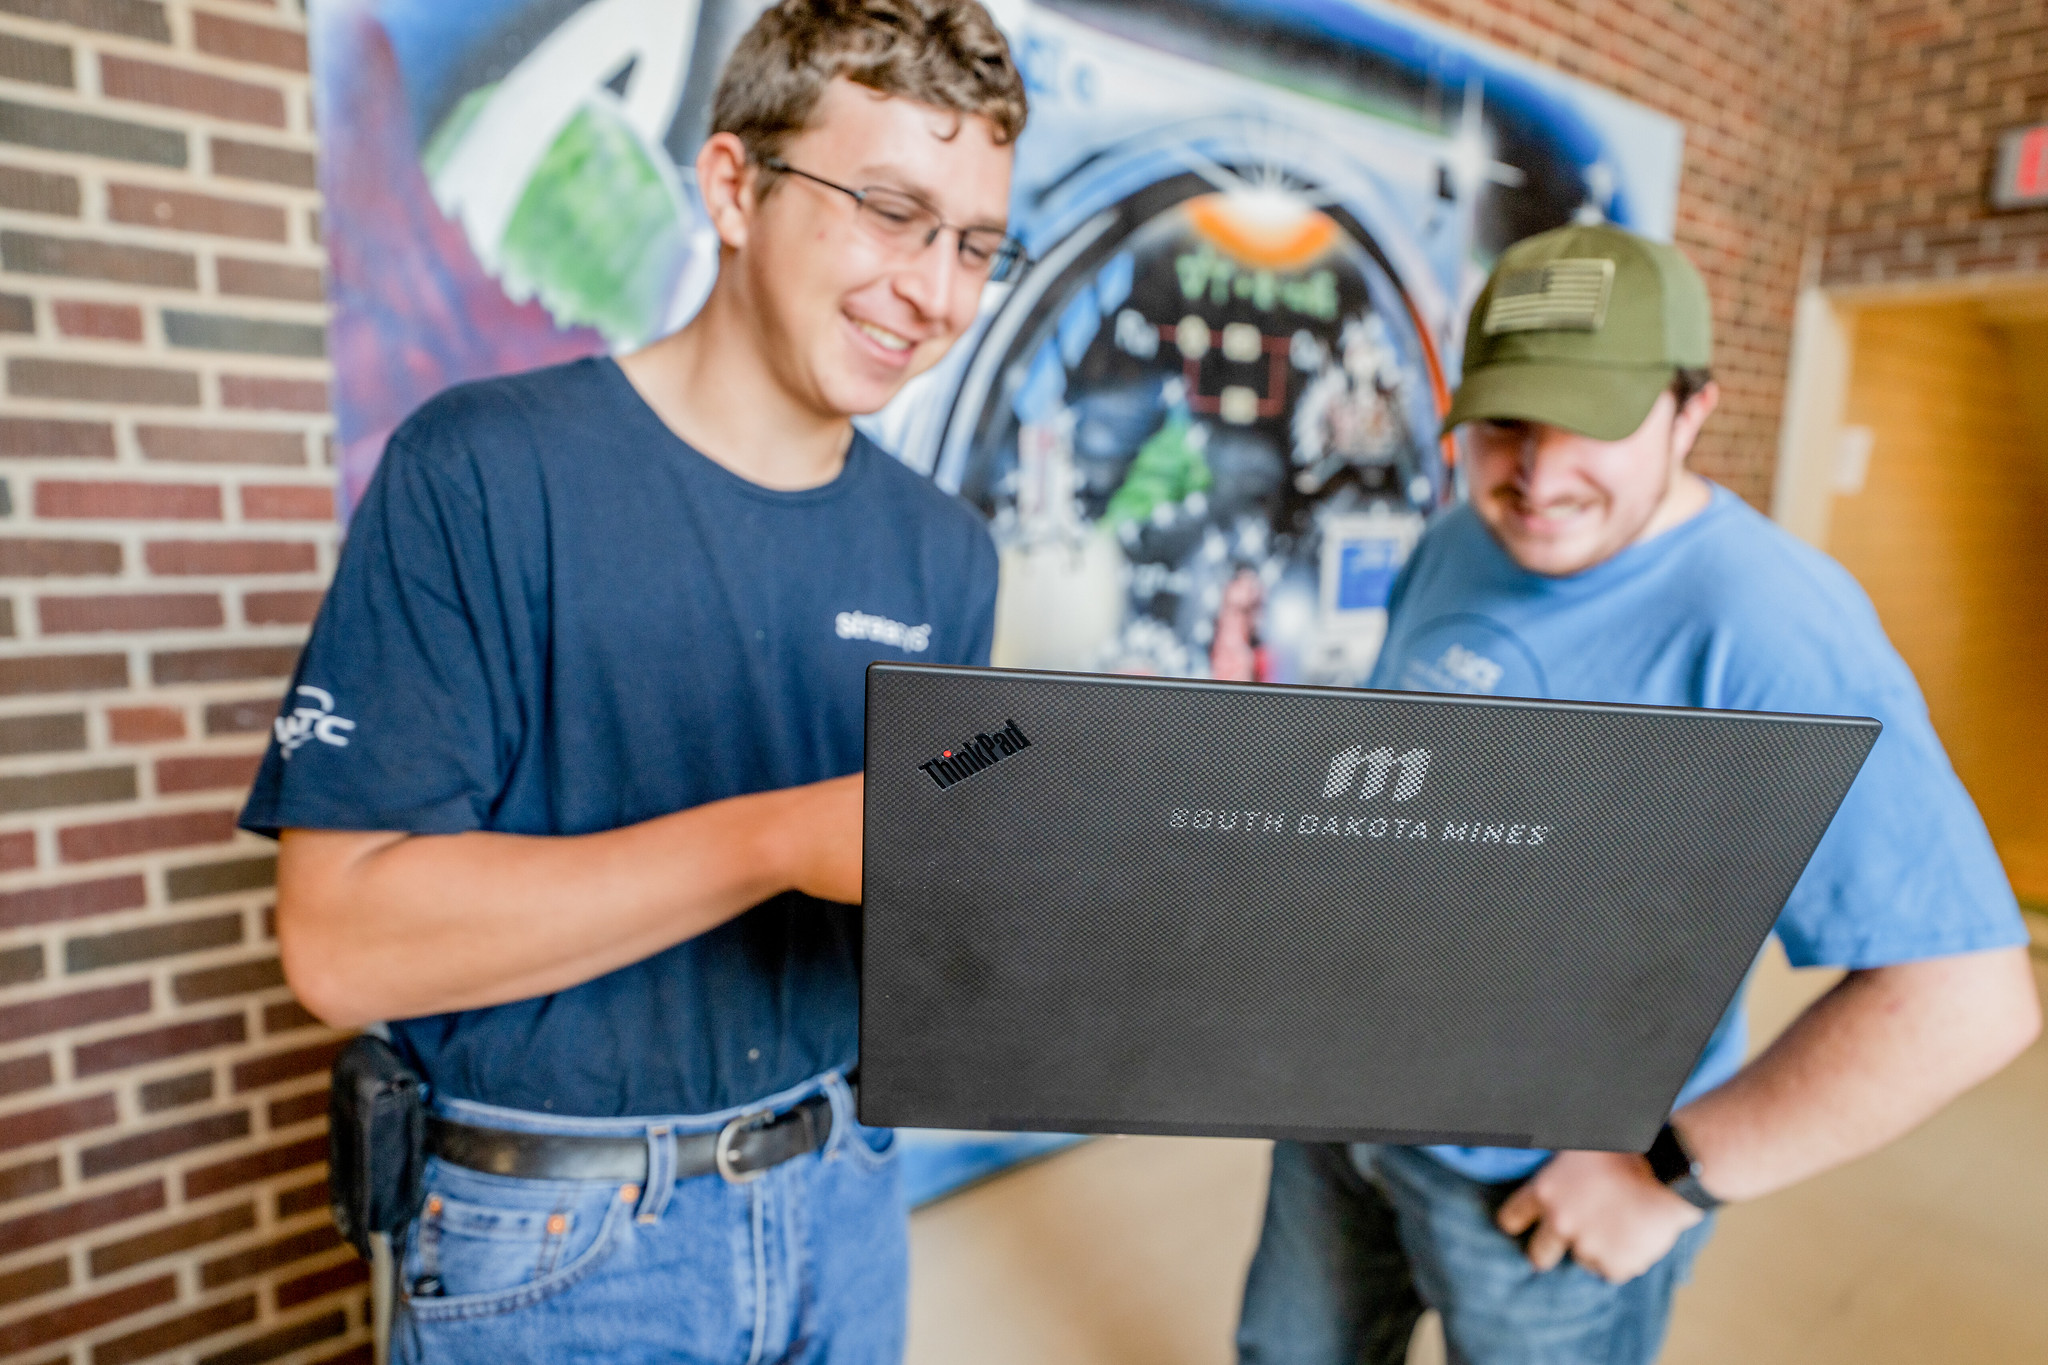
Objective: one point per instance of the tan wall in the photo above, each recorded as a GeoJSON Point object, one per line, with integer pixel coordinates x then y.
{"type": "Point", "coordinates": [166, 526]}
{"type": "Point", "coordinates": [1950, 538]}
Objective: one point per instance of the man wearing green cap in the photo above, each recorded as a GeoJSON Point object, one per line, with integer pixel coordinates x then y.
{"type": "Point", "coordinates": [1589, 564]}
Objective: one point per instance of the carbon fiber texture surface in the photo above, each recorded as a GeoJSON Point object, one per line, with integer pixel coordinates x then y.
{"type": "Point", "coordinates": [1236, 910]}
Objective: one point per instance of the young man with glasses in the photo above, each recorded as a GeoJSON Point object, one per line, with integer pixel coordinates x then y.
{"type": "Point", "coordinates": [581, 810]}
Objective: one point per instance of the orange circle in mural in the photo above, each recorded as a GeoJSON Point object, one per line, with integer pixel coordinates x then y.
{"type": "Point", "coordinates": [1264, 229]}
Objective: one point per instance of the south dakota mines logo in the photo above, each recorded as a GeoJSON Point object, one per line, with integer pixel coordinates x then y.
{"type": "Point", "coordinates": [983, 751]}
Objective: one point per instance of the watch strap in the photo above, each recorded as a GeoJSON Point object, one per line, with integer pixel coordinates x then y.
{"type": "Point", "coordinates": [1674, 1168]}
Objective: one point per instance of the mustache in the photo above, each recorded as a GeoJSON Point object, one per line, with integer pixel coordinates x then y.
{"type": "Point", "coordinates": [1518, 500]}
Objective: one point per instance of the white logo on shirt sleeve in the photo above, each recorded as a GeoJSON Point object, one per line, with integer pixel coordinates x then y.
{"type": "Point", "coordinates": [858, 625]}
{"type": "Point", "coordinates": [315, 721]}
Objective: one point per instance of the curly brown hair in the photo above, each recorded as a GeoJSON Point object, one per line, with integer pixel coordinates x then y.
{"type": "Point", "coordinates": [945, 53]}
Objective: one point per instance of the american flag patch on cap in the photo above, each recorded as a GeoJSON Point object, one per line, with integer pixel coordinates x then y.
{"type": "Point", "coordinates": [1564, 296]}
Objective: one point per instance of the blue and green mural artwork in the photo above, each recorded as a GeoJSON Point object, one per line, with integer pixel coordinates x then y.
{"type": "Point", "coordinates": [1203, 426]}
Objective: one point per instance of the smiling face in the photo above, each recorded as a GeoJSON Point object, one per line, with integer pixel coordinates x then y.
{"type": "Point", "coordinates": [845, 318]}
{"type": "Point", "coordinates": [1560, 503]}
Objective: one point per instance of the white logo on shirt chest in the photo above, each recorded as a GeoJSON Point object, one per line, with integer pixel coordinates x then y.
{"type": "Point", "coordinates": [316, 721]}
{"type": "Point", "coordinates": [858, 625]}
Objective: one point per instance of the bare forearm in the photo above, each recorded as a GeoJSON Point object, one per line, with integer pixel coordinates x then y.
{"type": "Point", "coordinates": [392, 926]}
{"type": "Point", "coordinates": [1871, 1060]}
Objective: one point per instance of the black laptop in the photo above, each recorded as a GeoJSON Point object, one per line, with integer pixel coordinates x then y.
{"type": "Point", "coordinates": [1106, 904]}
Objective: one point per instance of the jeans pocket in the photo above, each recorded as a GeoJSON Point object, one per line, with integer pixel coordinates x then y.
{"type": "Point", "coordinates": [477, 1250]}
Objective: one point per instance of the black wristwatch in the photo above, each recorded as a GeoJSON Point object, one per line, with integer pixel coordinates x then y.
{"type": "Point", "coordinates": [1677, 1171]}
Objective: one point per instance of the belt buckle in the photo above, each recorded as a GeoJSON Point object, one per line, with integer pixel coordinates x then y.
{"type": "Point", "coordinates": [722, 1151]}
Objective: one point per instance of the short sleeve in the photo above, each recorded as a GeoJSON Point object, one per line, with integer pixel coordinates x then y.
{"type": "Point", "coordinates": [983, 579]}
{"type": "Point", "coordinates": [1907, 870]}
{"type": "Point", "coordinates": [399, 711]}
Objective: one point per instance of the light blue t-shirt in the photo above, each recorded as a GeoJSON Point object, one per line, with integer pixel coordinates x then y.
{"type": "Point", "coordinates": [1729, 612]}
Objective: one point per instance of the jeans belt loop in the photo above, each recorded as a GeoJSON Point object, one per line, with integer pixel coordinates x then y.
{"type": "Point", "coordinates": [661, 1174]}
{"type": "Point", "coordinates": [726, 1153]}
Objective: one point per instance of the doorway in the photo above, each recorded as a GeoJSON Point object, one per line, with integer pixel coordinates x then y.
{"type": "Point", "coordinates": [1937, 501]}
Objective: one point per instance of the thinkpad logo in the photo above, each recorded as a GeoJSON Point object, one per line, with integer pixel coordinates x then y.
{"type": "Point", "coordinates": [983, 751]}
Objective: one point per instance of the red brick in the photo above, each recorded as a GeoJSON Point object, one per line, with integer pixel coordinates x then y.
{"type": "Point", "coordinates": [242, 42]}
{"type": "Point", "coordinates": [154, 1341]}
{"type": "Point", "coordinates": [38, 377]}
{"type": "Point", "coordinates": [17, 850]}
{"type": "Point", "coordinates": [220, 445]}
{"type": "Point", "coordinates": [206, 772]}
{"type": "Point", "coordinates": [170, 667]}
{"type": "Point", "coordinates": [128, 500]}
{"type": "Point", "coordinates": [136, 1149]}
{"type": "Point", "coordinates": [41, 557]}
{"type": "Point", "coordinates": [256, 161]}
{"type": "Point", "coordinates": [154, 1045]}
{"type": "Point", "coordinates": [35, 1281]}
{"type": "Point", "coordinates": [56, 1013]}
{"type": "Point", "coordinates": [129, 612]}
{"type": "Point", "coordinates": [31, 1178]}
{"type": "Point", "coordinates": [268, 1256]}
{"type": "Point", "coordinates": [281, 608]}
{"type": "Point", "coordinates": [285, 1066]}
{"type": "Point", "coordinates": [246, 1170]}
{"type": "Point", "coordinates": [302, 1198]}
{"type": "Point", "coordinates": [68, 1220]}
{"type": "Point", "coordinates": [287, 1016]}
{"type": "Point", "coordinates": [287, 502]}
{"type": "Point", "coordinates": [54, 1121]}
{"type": "Point", "coordinates": [183, 211]}
{"type": "Point", "coordinates": [72, 900]}
{"type": "Point", "coordinates": [283, 1341]}
{"type": "Point", "coordinates": [269, 280]}
{"type": "Point", "coordinates": [75, 1319]}
{"type": "Point", "coordinates": [21, 1074]}
{"type": "Point", "coordinates": [145, 834]}
{"type": "Point", "coordinates": [62, 674]}
{"type": "Point", "coordinates": [105, 321]}
{"type": "Point", "coordinates": [306, 1288]}
{"type": "Point", "coordinates": [227, 558]}
{"type": "Point", "coordinates": [145, 724]}
{"type": "Point", "coordinates": [38, 192]}
{"type": "Point", "coordinates": [125, 78]}
{"type": "Point", "coordinates": [266, 394]}
{"type": "Point", "coordinates": [288, 1111]}
{"type": "Point", "coordinates": [117, 262]}
{"type": "Point", "coordinates": [41, 438]}
{"type": "Point", "coordinates": [147, 1246]}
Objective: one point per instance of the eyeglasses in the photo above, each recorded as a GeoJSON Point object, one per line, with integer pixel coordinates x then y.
{"type": "Point", "coordinates": [908, 225]}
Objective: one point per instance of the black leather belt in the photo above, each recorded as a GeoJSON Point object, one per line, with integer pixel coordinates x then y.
{"type": "Point", "coordinates": [743, 1150]}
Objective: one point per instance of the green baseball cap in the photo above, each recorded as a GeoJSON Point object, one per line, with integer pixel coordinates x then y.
{"type": "Point", "coordinates": [1582, 327]}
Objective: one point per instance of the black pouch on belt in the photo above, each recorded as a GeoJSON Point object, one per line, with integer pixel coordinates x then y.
{"type": "Point", "coordinates": [376, 1141]}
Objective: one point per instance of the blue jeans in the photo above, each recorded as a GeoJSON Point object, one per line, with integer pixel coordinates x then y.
{"type": "Point", "coordinates": [1359, 1241]}
{"type": "Point", "coordinates": [807, 1264]}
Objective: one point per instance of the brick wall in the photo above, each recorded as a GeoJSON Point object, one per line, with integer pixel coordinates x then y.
{"type": "Point", "coordinates": [1757, 84]}
{"type": "Point", "coordinates": [166, 525]}
{"type": "Point", "coordinates": [1934, 83]}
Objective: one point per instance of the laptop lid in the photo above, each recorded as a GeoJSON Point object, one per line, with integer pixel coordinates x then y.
{"type": "Point", "coordinates": [1106, 904]}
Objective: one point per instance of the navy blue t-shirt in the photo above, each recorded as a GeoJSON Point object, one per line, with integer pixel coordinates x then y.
{"type": "Point", "coordinates": [554, 617]}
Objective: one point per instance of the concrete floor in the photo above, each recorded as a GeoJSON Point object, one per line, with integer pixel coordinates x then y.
{"type": "Point", "coordinates": [1131, 1251]}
